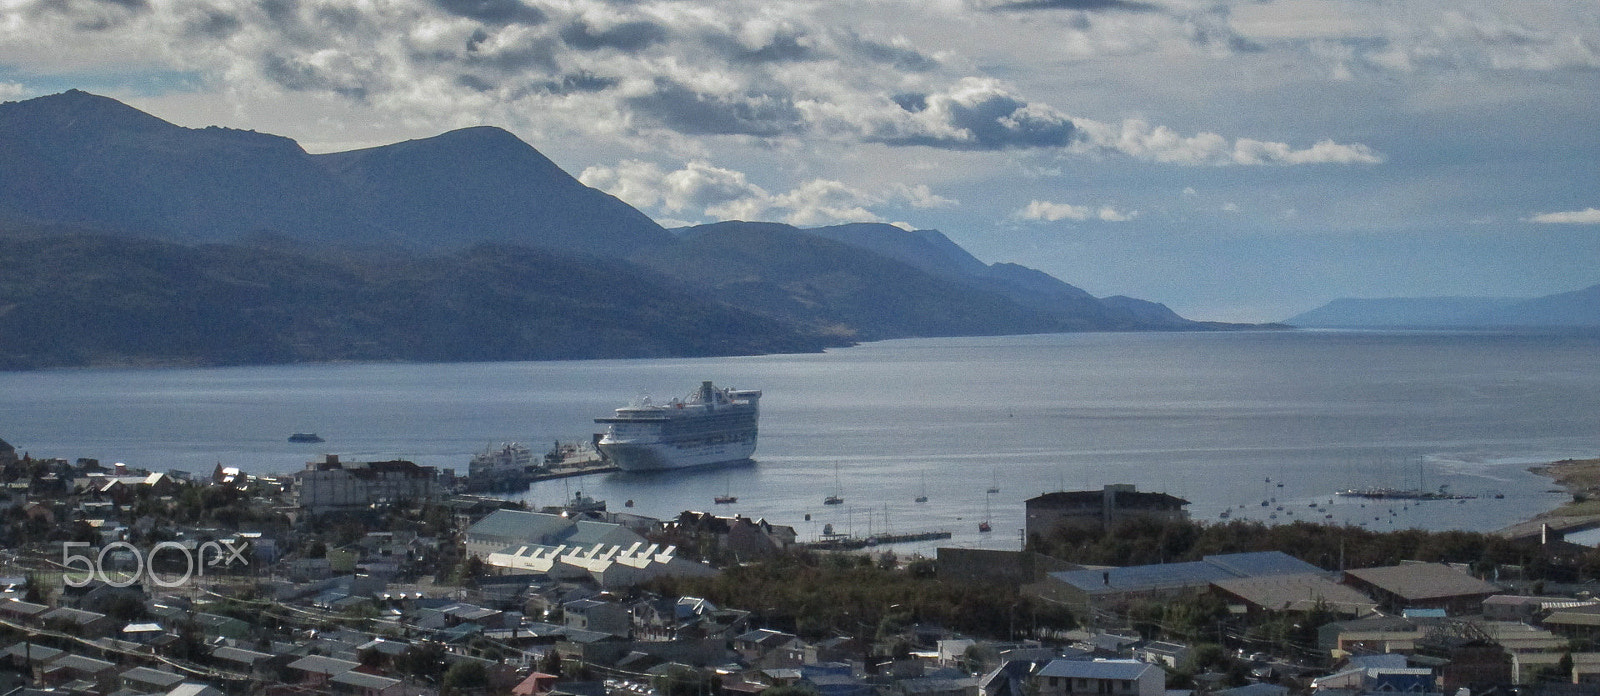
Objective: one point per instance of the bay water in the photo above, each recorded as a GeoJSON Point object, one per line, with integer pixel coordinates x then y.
{"type": "Point", "coordinates": [1225, 420]}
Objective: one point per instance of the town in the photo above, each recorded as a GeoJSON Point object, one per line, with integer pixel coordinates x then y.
{"type": "Point", "coordinates": [385, 578]}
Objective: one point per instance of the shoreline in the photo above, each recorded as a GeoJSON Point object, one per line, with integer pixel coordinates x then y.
{"type": "Point", "coordinates": [1580, 478]}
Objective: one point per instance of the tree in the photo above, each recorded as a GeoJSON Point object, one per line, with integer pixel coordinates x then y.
{"type": "Point", "coordinates": [38, 590]}
{"type": "Point", "coordinates": [421, 660]}
{"type": "Point", "coordinates": [463, 677]}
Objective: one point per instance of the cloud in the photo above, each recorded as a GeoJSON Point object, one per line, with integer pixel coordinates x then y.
{"type": "Point", "coordinates": [656, 76]}
{"type": "Point", "coordinates": [1587, 216]}
{"type": "Point", "coordinates": [1137, 138]}
{"type": "Point", "coordinates": [681, 108]}
{"type": "Point", "coordinates": [493, 11]}
{"type": "Point", "coordinates": [1079, 5]}
{"type": "Point", "coordinates": [975, 114]}
{"type": "Point", "coordinates": [716, 193]}
{"type": "Point", "coordinates": [1045, 211]}
{"type": "Point", "coordinates": [623, 36]}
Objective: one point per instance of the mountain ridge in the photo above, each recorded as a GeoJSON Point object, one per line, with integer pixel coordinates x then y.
{"type": "Point", "coordinates": [225, 204]}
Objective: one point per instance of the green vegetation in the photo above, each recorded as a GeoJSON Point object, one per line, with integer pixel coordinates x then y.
{"type": "Point", "coordinates": [818, 595]}
{"type": "Point", "coordinates": [1137, 542]}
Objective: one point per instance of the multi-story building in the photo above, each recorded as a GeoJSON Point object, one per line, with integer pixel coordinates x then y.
{"type": "Point", "coordinates": [1099, 509]}
{"type": "Point", "coordinates": [332, 485]}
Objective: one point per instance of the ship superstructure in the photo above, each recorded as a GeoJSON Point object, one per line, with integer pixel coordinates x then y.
{"type": "Point", "coordinates": [710, 426]}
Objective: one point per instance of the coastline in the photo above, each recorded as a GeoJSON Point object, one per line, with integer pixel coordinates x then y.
{"type": "Point", "coordinates": [1580, 478]}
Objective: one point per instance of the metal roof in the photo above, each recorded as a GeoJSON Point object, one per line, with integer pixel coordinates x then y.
{"type": "Point", "coordinates": [1096, 669]}
{"type": "Point", "coordinates": [1423, 581]}
{"type": "Point", "coordinates": [1261, 563]}
{"type": "Point", "coordinates": [1143, 578]}
{"type": "Point", "coordinates": [1297, 592]}
{"type": "Point", "coordinates": [1191, 574]}
{"type": "Point", "coordinates": [319, 664]}
{"type": "Point", "coordinates": [364, 680]}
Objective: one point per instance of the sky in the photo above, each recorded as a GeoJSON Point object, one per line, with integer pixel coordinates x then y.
{"type": "Point", "coordinates": [1236, 160]}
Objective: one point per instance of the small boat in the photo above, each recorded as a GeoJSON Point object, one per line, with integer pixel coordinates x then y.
{"type": "Point", "coordinates": [305, 437]}
{"type": "Point", "coordinates": [726, 499]}
{"type": "Point", "coordinates": [984, 527]}
{"type": "Point", "coordinates": [836, 498]}
{"type": "Point", "coordinates": [923, 496]}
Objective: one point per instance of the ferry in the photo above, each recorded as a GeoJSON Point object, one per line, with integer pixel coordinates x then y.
{"type": "Point", "coordinates": [711, 426]}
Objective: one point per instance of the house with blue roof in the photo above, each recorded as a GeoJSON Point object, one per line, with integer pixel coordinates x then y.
{"type": "Point", "coordinates": [1100, 678]}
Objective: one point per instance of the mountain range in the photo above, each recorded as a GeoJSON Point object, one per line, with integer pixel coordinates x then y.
{"type": "Point", "coordinates": [1576, 308]}
{"type": "Point", "coordinates": [132, 240]}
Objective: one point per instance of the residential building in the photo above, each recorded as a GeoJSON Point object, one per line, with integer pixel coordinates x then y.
{"type": "Point", "coordinates": [1155, 652]}
{"type": "Point", "coordinates": [738, 535]}
{"type": "Point", "coordinates": [332, 485]}
{"type": "Point", "coordinates": [1099, 678]}
{"type": "Point", "coordinates": [769, 649]}
{"type": "Point", "coordinates": [595, 615]}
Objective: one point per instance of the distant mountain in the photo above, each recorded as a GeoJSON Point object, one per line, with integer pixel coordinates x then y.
{"type": "Point", "coordinates": [131, 240]}
{"type": "Point", "coordinates": [914, 285]}
{"type": "Point", "coordinates": [80, 299]}
{"type": "Point", "coordinates": [89, 161]}
{"type": "Point", "coordinates": [1071, 307]}
{"type": "Point", "coordinates": [484, 184]}
{"type": "Point", "coordinates": [1577, 308]}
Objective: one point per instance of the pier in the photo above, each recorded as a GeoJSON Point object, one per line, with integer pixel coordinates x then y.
{"type": "Point", "coordinates": [842, 542]}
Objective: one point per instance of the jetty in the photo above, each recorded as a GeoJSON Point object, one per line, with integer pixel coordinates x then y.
{"type": "Point", "coordinates": [845, 542]}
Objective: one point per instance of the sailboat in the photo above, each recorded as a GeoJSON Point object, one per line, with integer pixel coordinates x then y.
{"type": "Point", "coordinates": [727, 497]}
{"type": "Point", "coordinates": [984, 525]}
{"type": "Point", "coordinates": [994, 483]}
{"type": "Point", "coordinates": [836, 498]}
{"type": "Point", "coordinates": [923, 496]}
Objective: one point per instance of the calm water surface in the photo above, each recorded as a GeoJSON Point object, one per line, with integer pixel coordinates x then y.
{"type": "Point", "coordinates": [1208, 417]}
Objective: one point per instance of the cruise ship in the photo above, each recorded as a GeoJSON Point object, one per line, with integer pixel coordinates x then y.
{"type": "Point", "coordinates": [710, 426]}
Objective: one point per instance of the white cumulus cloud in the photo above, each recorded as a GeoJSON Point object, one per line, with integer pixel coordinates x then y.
{"type": "Point", "coordinates": [1139, 139]}
{"type": "Point", "coordinates": [1587, 216]}
{"type": "Point", "coordinates": [1046, 211]}
{"type": "Point", "coordinates": [716, 193]}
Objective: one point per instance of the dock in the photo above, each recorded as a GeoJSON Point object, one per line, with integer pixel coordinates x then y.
{"type": "Point", "coordinates": [569, 470]}
{"type": "Point", "coordinates": [841, 542]}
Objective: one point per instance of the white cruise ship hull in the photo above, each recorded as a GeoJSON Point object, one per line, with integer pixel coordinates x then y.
{"type": "Point", "coordinates": [658, 456]}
